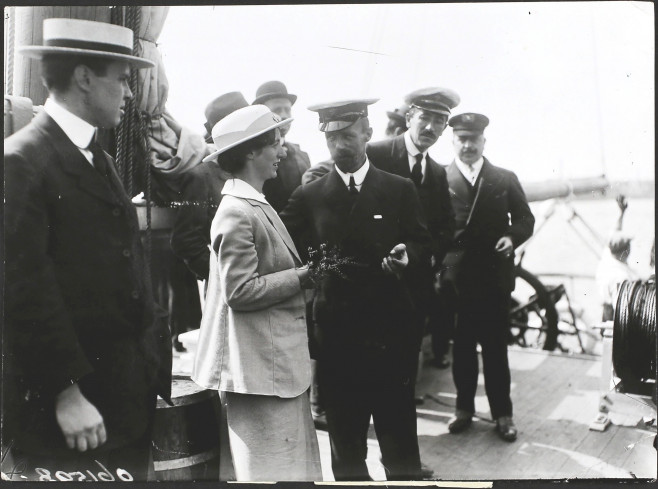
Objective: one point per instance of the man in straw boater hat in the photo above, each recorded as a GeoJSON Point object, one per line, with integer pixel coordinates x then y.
{"type": "Point", "coordinates": [361, 312]}
{"type": "Point", "coordinates": [84, 350]}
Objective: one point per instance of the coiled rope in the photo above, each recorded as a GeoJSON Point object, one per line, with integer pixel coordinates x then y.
{"type": "Point", "coordinates": [634, 333]}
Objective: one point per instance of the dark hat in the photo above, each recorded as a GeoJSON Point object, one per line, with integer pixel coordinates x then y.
{"type": "Point", "coordinates": [273, 89]}
{"type": "Point", "coordinates": [434, 99]}
{"type": "Point", "coordinates": [223, 106]}
{"type": "Point", "coordinates": [399, 114]}
{"type": "Point", "coordinates": [468, 123]}
{"type": "Point", "coordinates": [335, 116]}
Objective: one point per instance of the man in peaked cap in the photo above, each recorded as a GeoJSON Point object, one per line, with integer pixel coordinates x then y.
{"type": "Point", "coordinates": [407, 155]}
{"type": "Point", "coordinates": [200, 195]}
{"type": "Point", "coordinates": [274, 95]}
{"type": "Point", "coordinates": [361, 316]}
{"type": "Point", "coordinates": [84, 351]}
{"type": "Point", "coordinates": [492, 219]}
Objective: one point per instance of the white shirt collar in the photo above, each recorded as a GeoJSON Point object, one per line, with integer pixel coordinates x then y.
{"type": "Point", "coordinates": [411, 147]}
{"type": "Point", "coordinates": [79, 131]}
{"type": "Point", "coordinates": [471, 172]}
{"type": "Point", "coordinates": [359, 175]}
{"type": "Point", "coordinates": [240, 188]}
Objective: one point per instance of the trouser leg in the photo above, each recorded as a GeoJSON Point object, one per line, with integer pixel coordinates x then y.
{"type": "Point", "coordinates": [465, 362]}
{"type": "Point", "coordinates": [495, 363]}
{"type": "Point", "coordinates": [348, 419]}
{"type": "Point", "coordinates": [394, 417]}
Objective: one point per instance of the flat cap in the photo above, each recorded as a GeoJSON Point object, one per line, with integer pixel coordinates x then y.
{"type": "Point", "coordinates": [335, 116]}
{"type": "Point", "coordinates": [434, 99]}
{"type": "Point", "coordinates": [273, 89]}
{"type": "Point", "coordinates": [399, 113]}
{"type": "Point", "coordinates": [468, 123]}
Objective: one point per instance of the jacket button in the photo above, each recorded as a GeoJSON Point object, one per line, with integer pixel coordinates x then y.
{"type": "Point", "coordinates": [126, 253]}
{"type": "Point", "coordinates": [134, 294]}
{"type": "Point", "coordinates": [116, 212]}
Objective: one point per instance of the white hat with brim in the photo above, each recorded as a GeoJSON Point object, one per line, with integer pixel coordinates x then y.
{"type": "Point", "coordinates": [242, 125]}
{"type": "Point", "coordinates": [86, 38]}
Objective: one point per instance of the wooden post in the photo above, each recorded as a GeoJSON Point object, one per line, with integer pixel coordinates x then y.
{"type": "Point", "coordinates": [29, 31]}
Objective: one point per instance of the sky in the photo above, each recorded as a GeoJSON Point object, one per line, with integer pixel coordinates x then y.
{"type": "Point", "coordinates": [568, 86]}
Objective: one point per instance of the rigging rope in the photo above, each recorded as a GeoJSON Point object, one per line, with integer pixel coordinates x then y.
{"type": "Point", "coordinates": [132, 134]}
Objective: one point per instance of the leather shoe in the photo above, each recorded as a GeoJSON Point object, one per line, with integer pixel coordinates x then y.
{"type": "Point", "coordinates": [460, 422]}
{"type": "Point", "coordinates": [506, 429]}
{"type": "Point", "coordinates": [419, 400]}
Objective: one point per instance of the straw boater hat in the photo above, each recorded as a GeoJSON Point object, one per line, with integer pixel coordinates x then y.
{"type": "Point", "coordinates": [242, 125]}
{"type": "Point", "coordinates": [86, 38]}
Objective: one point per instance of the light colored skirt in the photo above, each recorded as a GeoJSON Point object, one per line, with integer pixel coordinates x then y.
{"type": "Point", "coordinates": [272, 438]}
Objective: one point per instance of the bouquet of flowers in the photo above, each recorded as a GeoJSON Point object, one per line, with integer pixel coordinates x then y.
{"type": "Point", "coordinates": [326, 261]}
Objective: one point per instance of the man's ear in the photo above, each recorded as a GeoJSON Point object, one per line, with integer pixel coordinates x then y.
{"type": "Point", "coordinates": [368, 133]}
{"type": "Point", "coordinates": [82, 78]}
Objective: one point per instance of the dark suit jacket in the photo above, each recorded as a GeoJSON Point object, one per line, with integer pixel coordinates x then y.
{"type": "Point", "coordinates": [499, 209]}
{"type": "Point", "coordinates": [362, 320]}
{"type": "Point", "coordinates": [201, 193]}
{"type": "Point", "coordinates": [289, 176]}
{"type": "Point", "coordinates": [391, 155]}
{"type": "Point", "coordinates": [78, 306]}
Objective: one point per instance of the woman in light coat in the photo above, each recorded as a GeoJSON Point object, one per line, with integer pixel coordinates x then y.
{"type": "Point", "coordinates": [253, 343]}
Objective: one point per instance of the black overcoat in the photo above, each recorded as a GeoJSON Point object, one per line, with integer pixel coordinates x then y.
{"type": "Point", "coordinates": [78, 306]}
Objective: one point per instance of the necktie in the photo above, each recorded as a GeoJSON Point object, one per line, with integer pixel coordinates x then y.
{"type": "Point", "coordinates": [352, 187]}
{"type": "Point", "coordinates": [417, 170]}
{"type": "Point", "coordinates": [98, 157]}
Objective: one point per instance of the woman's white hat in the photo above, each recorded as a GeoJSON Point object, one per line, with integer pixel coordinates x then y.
{"type": "Point", "coordinates": [86, 38]}
{"type": "Point", "coordinates": [242, 125]}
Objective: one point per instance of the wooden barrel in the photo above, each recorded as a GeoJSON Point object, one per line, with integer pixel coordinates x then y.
{"type": "Point", "coordinates": [186, 435]}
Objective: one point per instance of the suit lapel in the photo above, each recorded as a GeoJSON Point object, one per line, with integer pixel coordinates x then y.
{"type": "Point", "coordinates": [73, 162]}
{"type": "Point", "coordinates": [274, 219]}
{"type": "Point", "coordinates": [457, 184]}
{"type": "Point", "coordinates": [400, 156]}
{"type": "Point", "coordinates": [366, 203]}
{"type": "Point", "coordinates": [487, 182]}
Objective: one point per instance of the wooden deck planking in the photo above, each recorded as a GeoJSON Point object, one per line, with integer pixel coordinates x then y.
{"type": "Point", "coordinates": [555, 398]}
